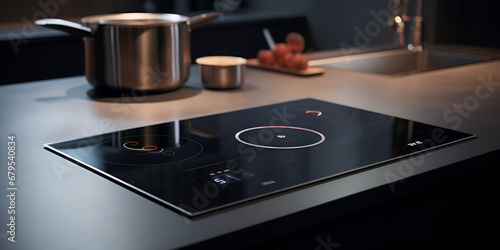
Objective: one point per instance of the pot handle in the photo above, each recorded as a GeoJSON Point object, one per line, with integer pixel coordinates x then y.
{"type": "Point", "coordinates": [66, 26]}
{"type": "Point", "coordinates": [200, 20]}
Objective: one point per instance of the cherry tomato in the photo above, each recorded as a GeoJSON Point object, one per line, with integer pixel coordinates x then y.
{"type": "Point", "coordinates": [295, 42]}
{"type": "Point", "coordinates": [299, 61]}
{"type": "Point", "coordinates": [279, 51]}
{"type": "Point", "coordinates": [287, 60]}
{"type": "Point", "coordinates": [266, 56]}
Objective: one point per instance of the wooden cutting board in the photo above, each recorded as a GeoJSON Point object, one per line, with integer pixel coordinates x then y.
{"type": "Point", "coordinates": [310, 71]}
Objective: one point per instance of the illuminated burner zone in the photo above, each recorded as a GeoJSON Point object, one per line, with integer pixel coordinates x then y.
{"type": "Point", "coordinates": [147, 150]}
{"type": "Point", "coordinates": [280, 137]}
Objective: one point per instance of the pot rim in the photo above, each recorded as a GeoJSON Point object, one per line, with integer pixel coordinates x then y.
{"type": "Point", "coordinates": [221, 61]}
{"type": "Point", "coordinates": [135, 19]}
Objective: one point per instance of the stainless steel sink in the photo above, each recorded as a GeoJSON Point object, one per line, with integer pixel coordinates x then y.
{"type": "Point", "coordinates": [401, 62]}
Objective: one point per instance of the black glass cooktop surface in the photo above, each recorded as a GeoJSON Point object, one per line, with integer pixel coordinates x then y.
{"type": "Point", "coordinates": [202, 164]}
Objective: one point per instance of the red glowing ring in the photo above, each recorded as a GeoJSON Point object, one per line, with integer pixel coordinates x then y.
{"type": "Point", "coordinates": [318, 113]}
{"type": "Point", "coordinates": [149, 147]}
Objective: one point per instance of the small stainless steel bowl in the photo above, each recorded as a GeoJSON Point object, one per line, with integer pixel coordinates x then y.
{"type": "Point", "coordinates": [222, 72]}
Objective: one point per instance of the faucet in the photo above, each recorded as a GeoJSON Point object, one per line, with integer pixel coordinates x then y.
{"type": "Point", "coordinates": [416, 44]}
{"type": "Point", "coordinates": [397, 24]}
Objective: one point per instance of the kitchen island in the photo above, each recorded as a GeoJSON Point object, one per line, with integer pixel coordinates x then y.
{"type": "Point", "coordinates": [59, 205]}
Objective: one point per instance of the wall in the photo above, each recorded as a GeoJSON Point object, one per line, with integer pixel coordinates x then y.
{"type": "Point", "coordinates": [15, 10]}
{"type": "Point", "coordinates": [467, 22]}
{"type": "Point", "coordinates": [337, 23]}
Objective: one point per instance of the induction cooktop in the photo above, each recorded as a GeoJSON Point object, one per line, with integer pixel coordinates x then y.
{"type": "Point", "coordinates": [199, 165]}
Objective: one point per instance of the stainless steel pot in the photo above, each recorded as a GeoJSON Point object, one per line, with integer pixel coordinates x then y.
{"type": "Point", "coordinates": [135, 51]}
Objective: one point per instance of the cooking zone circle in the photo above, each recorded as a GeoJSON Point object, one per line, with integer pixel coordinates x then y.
{"type": "Point", "coordinates": [147, 150]}
{"type": "Point", "coordinates": [280, 137]}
